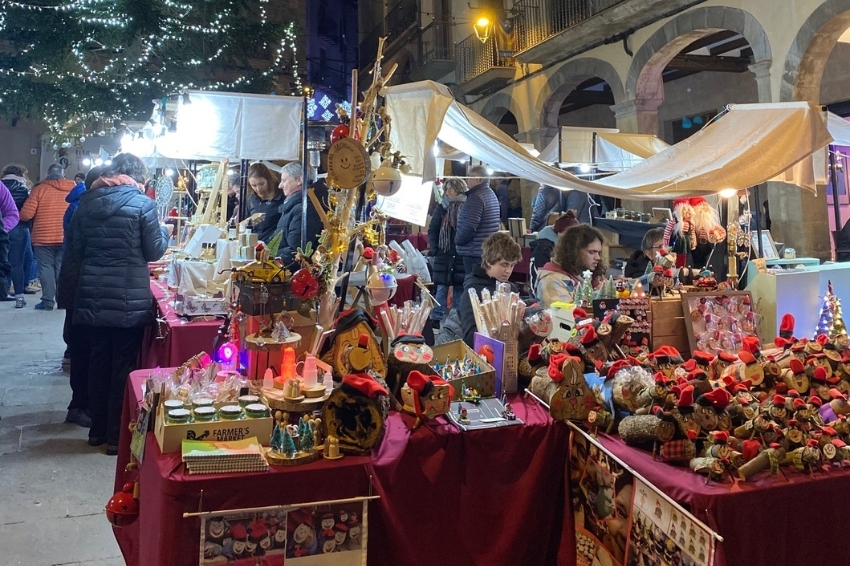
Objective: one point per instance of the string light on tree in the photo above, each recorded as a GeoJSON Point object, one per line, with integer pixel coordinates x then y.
{"type": "Point", "coordinates": [831, 320]}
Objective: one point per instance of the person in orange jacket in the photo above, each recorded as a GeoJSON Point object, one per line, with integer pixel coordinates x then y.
{"type": "Point", "coordinates": [46, 207]}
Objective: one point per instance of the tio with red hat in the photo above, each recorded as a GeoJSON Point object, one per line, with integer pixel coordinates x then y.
{"type": "Point", "coordinates": [426, 396]}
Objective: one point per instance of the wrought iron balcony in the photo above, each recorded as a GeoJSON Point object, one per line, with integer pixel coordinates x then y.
{"type": "Point", "coordinates": [480, 69]}
{"type": "Point", "coordinates": [434, 53]}
{"type": "Point", "coordinates": [548, 31]}
{"type": "Point", "coordinates": [402, 17]}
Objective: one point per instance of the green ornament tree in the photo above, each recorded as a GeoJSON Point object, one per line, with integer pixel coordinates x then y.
{"type": "Point", "coordinates": [85, 66]}
{"type": "Point", "coordinates": [276, 442]}
{"type": "Point", "coordinates": [288, 448]}
{"type": "Point", "coordinates": [306, 434]}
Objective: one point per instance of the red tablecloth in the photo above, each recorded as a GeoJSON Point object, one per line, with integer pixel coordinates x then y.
{"type": "Point", "coordinates": [180, 340]}
{"type": "Point", "coordinates": [773, 521]}
{"type": "Point", "coordinates": [478, 498]}
{"type": "Point", "coordinates": [419, 240]}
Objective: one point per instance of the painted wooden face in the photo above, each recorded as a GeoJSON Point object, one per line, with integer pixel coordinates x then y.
{"type": "Point", "coordinates": [753, 372]}
{"type": "Point", "coordinates": [596, 352]}
{"type": "Point", "coordinates": [413, 353]}
{"type": "Point", "coordinates": [574, 399]}
{"type": "Point", "coordinates": [687, 421]}
{"type": "Point", "coordinates": [724, 421]}
{"type": "Point", "coordinates": [706, 416]}
{"type": "Point", "coordinates": [437, 402]}
{"type": "Point", "coordinates": [798, 381]}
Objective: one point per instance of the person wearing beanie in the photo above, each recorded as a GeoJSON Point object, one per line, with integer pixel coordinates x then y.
{"type": "Point", "coordinates": [579, 249]}
{"type": "Point", "coordinates": [544, 245]}
{"type": "Point", "coordinates": [14, 177]}
{"type": "Point", "coordinates": [640, 262]}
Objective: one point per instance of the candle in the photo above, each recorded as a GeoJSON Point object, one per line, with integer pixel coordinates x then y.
{"type": "Point", "coordinates": [310, 375]}
{"type": "Point", "coordinates": [287, 368]}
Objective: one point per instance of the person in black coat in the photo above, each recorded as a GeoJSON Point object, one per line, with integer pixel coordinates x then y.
{"type": "Point", "coordinates": [113, 235]}
{"type": "Point", "coordinates": [79, 348]}
{"type": "Point", "coordinates": [264, 198]}
{"type": "Point", "coordinates": [500, 254]}
{"type": "Point", "coordinates": [290, 223]}
{"type": "Point", "coordinates": [447, 263]}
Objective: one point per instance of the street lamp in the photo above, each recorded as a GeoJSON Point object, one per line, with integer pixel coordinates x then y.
{"type": "Point", "coordinates": [482, 26]}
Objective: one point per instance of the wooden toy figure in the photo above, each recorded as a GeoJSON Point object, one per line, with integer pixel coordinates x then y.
{"type": "Point", "coordinates": [354, 348]}
{"type": "Point", "coordinates": [564, 388]}
{"type": "Point", "coordinates": [683, 413]}
{"type": "Point", "coordinates": [426, 396]}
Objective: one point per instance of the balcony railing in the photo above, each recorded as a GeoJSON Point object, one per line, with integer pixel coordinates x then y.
{"type": "Point", "coordinates": [399, 19]}
{"type": "Point", "coordinates": [475, 58]}
{"type": "Point", "coordinates": [538, 20]}
{"type": "Point", "coordinates": [435, 43]}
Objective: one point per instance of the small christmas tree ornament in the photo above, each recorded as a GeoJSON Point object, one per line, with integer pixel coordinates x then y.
{"type": "Point", "coordinates": [831, 321]}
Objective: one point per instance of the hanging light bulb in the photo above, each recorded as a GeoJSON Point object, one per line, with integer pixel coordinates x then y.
{"type": "Point", "coordinates": [482, 28]}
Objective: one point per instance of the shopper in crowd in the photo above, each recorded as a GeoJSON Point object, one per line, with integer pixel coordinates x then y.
{"type": "Point", "coordinates": [79, 348]}
{"type": "Point", "coordinates": [290, 223]}
{"type": "Point", "coordinates": [504, 198]}
{"type": "Point", "coordinates": [46, 207]}
{"type": "Point", "coordinates": [640, 262]}
{"type": "Point", "coordinates": [73, 200]}
{"type": "Point", "coordinates": [547, 201]}
{"type": "Point", "coordinates": [10, 219]}
{"type": "Point", "coordinates": [544, 245]}
{"type": "Point", "coordinates": [446, 262]}
{"type": "Point", "coordinates": [5, 267]}
{"type": "Point", "coordinates": [478, 218]}
{"type": "Point", "coordinates": [265, 198]}
{"type": "Point", "coordinates": [233, 191]}
{"type": "Point", "coordinates": [113, 235]}
{"type": "Point", "coordinates": [499, 255]}
{"type": "Point", "coordinates": [578, 250]}
{"type": "Point", "coordinates": [14, 176]}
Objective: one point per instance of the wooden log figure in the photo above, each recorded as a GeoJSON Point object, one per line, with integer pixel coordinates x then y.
{"type": "Point", "coordinates": [356, 412]}
{"type": "Point", "coordinates": [563, 387]}
{"type": "Point", "coordinates": [354, 348]}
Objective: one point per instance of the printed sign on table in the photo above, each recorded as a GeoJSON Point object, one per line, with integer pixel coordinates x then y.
{"type": "Point", "coordinates": [662, 534]}
{"type": "Point", "coordinates": [320, 535]}
{"type": "Point", "coordinates": [601, 492]}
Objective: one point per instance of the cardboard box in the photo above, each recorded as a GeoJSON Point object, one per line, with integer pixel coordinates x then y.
{"type": "Point", "coordinates": [170, 436]}
{"type": "Point", "coordinates": [668, 324]}
{"type": "Point", "coordinates": [484, 383]}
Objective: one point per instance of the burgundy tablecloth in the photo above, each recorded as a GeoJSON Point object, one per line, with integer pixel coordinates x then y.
{"type": "Point", "coordinates": [480, 498]}
{"type": "Point", "coordinates": [179, 340]}
{"type": "Point", "coordinates": [419, 239]}
{"type": "Point", "coordinates": [774, 521]}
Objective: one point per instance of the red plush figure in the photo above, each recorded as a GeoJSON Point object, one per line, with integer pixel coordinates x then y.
{"type": "Point", "coordinates": [786, 332]}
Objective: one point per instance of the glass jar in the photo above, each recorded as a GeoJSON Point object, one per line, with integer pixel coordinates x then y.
{"type": "Point", "coordinates": [230, 413]}
{"type": "Point", "coordinates": [179, 416]}
{"type": "Point", "coordinates": [256, 411]}
{"type": "Point", "coordinates": [202, 402]}
{"type": "Point", "coordinates": [246, 400]}
{"type": "Point", "coordinates": [790, 253]}
{"type": "Point", "coordinates": [204, 414]}
{"type": "Point", "coordinates": [172, 404]}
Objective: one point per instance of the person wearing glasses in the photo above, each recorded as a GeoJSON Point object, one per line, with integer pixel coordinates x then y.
{"type": "Point", "coordinates": [578, 250]}
{"type": "Point", "coordinates": [640, 262]}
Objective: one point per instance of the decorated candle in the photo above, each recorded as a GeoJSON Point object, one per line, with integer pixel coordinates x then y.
{"type": "Point", "coordinates": [309, 372]}
{"type": "Point", "coordinates": [287, 368]}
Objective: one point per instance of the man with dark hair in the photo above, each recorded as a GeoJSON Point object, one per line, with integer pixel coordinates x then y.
{"type": "Point", "coordinates": [46, 207]}
{"type": "Point", "coordinates": [639, 262]}
{"type": "Point", "coordinates": [478, 218]}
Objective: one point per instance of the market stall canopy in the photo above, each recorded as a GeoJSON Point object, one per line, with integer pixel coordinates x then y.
{"type": "Point", "coordinates": [606, 149]}
{"type": "Point", "coordinates": [749, 145]}
{"type": "Point", "coordinates": [217, 125]}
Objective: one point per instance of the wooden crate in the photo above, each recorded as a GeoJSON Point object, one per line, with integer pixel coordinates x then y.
{"type": "Point", "coordinates": [484, 383]}
{"type": "Point", "coordinates": [668, 325]}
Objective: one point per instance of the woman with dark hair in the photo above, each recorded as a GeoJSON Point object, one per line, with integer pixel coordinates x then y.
{"type": "Point", "coordinates": [113, 235]}
{"type": "Point", "coordinates": [265, 198]}
{"type": "Point", "coordinates": [447, 263]}
{"type": "Point", "coordinates": [14, 176]}
{"type": "Point", "coordinates": [578, 250]}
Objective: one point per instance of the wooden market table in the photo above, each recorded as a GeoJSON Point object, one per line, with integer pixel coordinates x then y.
{"type": "Point", "coordinates": [492, 497]}
{"type": "Point", "coordinates": [173, 340]}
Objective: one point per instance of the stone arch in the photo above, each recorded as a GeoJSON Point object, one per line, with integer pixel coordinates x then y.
{"type": "Point", "coordinates": [500, 104]}
{"type": "Point", "coordinates": [810, 50]}
{"type": "Point", "coordinates": [644, 79]}
{"type": "Point", "coordinates": [566, 78]}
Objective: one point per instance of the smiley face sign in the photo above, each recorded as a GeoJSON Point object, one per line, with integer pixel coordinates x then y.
{"type": "Point", "coordinates": [348, 164]}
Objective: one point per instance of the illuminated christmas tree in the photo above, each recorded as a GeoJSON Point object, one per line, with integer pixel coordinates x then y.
{"type": "Point", "coordinates": [83, 66]}
{"type": "Point", "coordinates": [831, 320]}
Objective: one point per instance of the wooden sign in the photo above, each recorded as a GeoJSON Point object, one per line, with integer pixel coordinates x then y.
{"type": "Point", "coordinates": [348, 164]}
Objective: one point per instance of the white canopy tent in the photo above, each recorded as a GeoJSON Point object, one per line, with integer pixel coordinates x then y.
{"type": "Point", "coordinates": [751, 144]}
{"type": "Point", "coordinates": [216, 125]}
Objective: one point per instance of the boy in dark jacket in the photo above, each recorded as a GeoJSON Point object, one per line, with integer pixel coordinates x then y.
{"type": "Point", "coordinates": [500, 254]}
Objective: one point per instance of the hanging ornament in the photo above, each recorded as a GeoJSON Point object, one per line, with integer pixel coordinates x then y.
{"type": "Point", "coordinates": [82, 139]}
{"type": "Point", "coordinates": [304, 284]}
{"type": "Point", "coordinates": [338, 133]}
{"type": "Point", "coordinates": [386, 179]}
{"type": "Point", "coordinates": [55, 147]}
{"type": "Point", "coordinates": [123, 507]}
